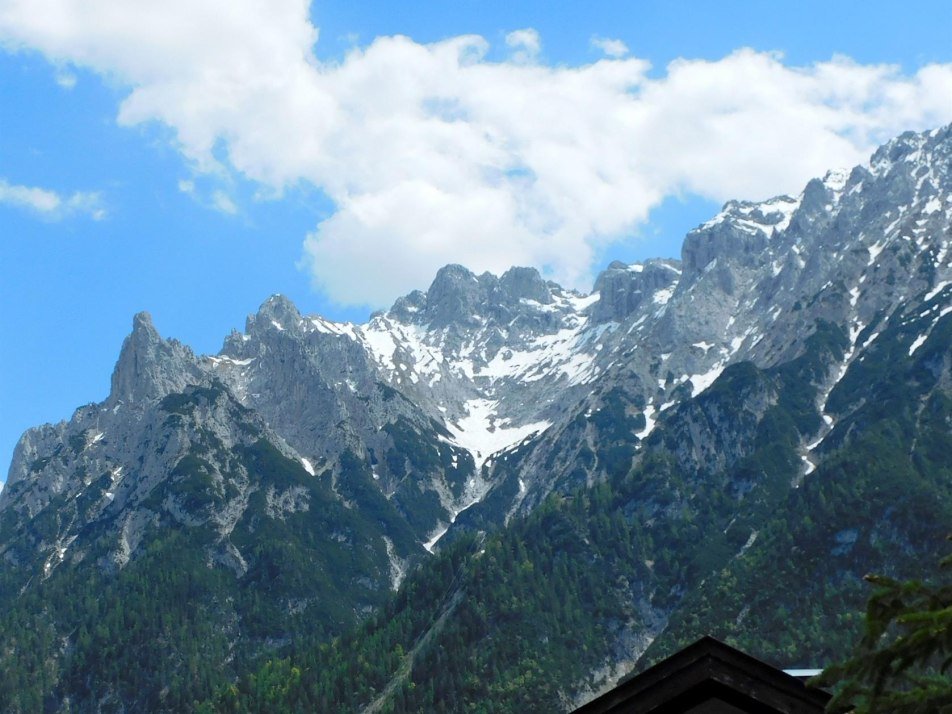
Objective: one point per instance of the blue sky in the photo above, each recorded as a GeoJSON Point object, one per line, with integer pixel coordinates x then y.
{"type": "Point", "coordinates": [194, 162]}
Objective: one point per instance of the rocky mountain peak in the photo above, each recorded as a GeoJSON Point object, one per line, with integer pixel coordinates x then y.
{"type": "Point", "coordinates": [142, 325]}
{"type": "Point", "coordinates": [912, 148]}
{"type": "Point", "coordinates": [739, 233]}
{"type": "Point", "coordinates": [524, 284]}
{"type": "Point", "coordinates": [457, 296]}
{"type": "Point", "coordinates": [912, 167]}
{"type": "Point", "coordinates": [623, 289]}
{"type": "Point", "coordinates": [816, 195]}
{"type": "Point", "coordinates": [276, 313]}
{"type": "Point", "coordinates": [150, 367]}
{"type": "Point", "coordinates": [453, 296]}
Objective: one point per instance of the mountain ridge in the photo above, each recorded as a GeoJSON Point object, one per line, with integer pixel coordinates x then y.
{"type": "Point", "coordinates": [358, 451]}
{"type": "Point", "coordinates": [496, 360]}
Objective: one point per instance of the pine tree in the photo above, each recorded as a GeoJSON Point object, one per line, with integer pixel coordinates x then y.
{"type": "Point", "coordinates": [904, 662]}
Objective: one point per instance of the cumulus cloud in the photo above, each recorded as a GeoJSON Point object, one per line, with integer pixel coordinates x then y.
{"type": "Point", "coordinates": [612, 48]}
{"type": "Point", "coordinates": [433, 153]}
{"type": "Point", "coordinates": [51, 204]}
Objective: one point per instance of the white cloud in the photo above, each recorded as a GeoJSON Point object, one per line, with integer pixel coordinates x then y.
{"type": "Point", "coordinates": [223, 203]}
{"type": "Point", "coordinates": [216, 199]}
{"type": "Point", "coordinates": [433, 153]}
{"type": "Point", "coordinates": [527, 44]}
{"type": "Point", "coordinates": [612, 48]}
{"type": "Point", "coordinates": [50, 204]}
{"type": "Point", "coordinates": [36, 199]}
{"type": "Point", "coordinates": [66, 80]}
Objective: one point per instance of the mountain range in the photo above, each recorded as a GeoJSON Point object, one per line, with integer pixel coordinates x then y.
{"type": "Point", "coordinates": [501, 494]}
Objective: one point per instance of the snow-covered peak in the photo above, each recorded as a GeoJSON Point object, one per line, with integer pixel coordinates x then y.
{"type": "Point", "coordinates": [518, 340]}
{"type": "Point", "coordinates": [911, 150]}
{"type": "Point", "coordinates": [835, 179]}
{"type": "Point", "coordinates": [770, 216]}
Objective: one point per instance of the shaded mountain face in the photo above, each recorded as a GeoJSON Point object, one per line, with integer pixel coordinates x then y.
{"type": "Point", "coordinates": [692, 409]}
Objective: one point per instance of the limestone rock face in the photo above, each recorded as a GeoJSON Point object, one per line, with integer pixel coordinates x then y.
{"type": "Point", "coordinates": [627, 289]}
{"type": "Point", "coordinates": [150, 367]}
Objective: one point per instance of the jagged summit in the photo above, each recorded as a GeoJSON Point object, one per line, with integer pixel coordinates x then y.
{"type": "Point", "coordinates": [148, 366]}
{"type": "Point", "coordinates": [525, 284]}
{"type": "Point", "coordinates": [458, 296]}
{"type": "Point", "coordinates": [277, 312]}
{"type": "Point", "coordinates": [928, 148]}
{"type": "Point", "coordinates": [623, 289]}
{"type": "Point", "coordinates": [454, 296]}
{"type": "Point", "coordinates": [142, 322]}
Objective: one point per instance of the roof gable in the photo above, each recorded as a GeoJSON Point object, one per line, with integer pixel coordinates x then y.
{"type": "Point", "coordinates": [710, 677]}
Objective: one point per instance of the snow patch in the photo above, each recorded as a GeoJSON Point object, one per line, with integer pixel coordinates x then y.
{"type": "Point", "coordinates": [442, 528]}
{"type": "Point", "coordinates": [381, 345]}
{"type": "Point", "coordinates": [329, 327]}
{"type": "Point", "coordinates": [661, 297]}
{"type": "Point", "coordinates": [919, 341]}
{"type": "Point", "coordinates": [810, 466]}
{"type": "Point", "coordinates": [564, 353]}
{"type": "Point", "coordinates": [230, 360]}
{"type": "Point", "coordinates": [869, 340]}
{"type": "Point", "coordinates": [650, 422]}
{"type": "Point", "coordinates": [482, 433]}
{"type": "Point", "coordinates": [580, 302]}
{"type": "Point", "coordinates": [936, 290]}
{"type": "Point", "coordinates": [854, 296]}
{"type": "Point", "coordinates": [700, 382]}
